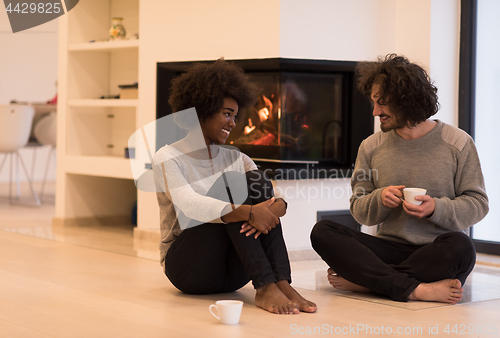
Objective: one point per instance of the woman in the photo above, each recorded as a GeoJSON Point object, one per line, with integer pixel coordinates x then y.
{"type": "Point", "coordinates": [210, 242]}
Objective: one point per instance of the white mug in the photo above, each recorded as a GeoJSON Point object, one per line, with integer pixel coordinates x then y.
{"type": "Point", "coordinates": [228, 311]}
{"type": "Point", "coordinates": [410, 194]}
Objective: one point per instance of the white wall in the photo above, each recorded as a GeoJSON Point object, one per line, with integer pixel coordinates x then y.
{"type": "Point", "coordinates": [305, 198]}
{"type": "Point", "coordinates": [28, 72]}
{"type": "Point", "coordinates": [337, 29]}
{"type": "Point", "coordinates": [445, 55]}
{"type": "Point", "coordinates": [413, 30]}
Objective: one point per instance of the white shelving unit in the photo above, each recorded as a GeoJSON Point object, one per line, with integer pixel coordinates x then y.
{"type": "Point", "coordinates": [93, 130]}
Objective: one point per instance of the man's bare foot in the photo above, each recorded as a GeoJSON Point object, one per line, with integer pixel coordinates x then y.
{"type": "Point", "coordinates": [445, 291]}
{"type": "Point", "coordinates": [269, 297]}
{"type": "Point", "coordinates": [292, 294]}
{"type": "Point", "coordinates": [342, 284]}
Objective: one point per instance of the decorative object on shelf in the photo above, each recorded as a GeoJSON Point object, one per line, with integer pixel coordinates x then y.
{"type": "Point", "coordinates": [117, 31]}
{"type": "Point", "coordinates": [130, 91]}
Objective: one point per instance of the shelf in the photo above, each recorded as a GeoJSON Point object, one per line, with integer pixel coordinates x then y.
{"type": "Point", "coordinates": [103, 46]}
{"type": "Point", "coordinates": [104, 166]}
{"type": "Point", "coordinates": [103, 103]}
{"type": "Point", "coordinates": [96, 182]}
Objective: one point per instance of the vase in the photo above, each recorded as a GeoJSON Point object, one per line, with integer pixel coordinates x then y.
{"type": "Point", "coordinates": [117, 31]}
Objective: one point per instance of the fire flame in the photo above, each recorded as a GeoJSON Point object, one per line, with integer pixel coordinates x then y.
{"type": "Point", "coordinates": [265, 140]}
{"type": "Point", "coordinates": [249, 128]}
{"type": "Point", "coordinates": [264, 112]}
{"type": "Point", "coordinates": [268, 102]}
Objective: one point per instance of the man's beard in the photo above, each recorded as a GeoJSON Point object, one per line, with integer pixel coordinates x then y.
{"type": "Point", "coordinates": [393, 123]}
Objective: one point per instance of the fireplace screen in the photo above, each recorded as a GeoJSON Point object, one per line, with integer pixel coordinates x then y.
{"type": "Point", "coordinates": [308, 117]}
{"type": "Point", "coordinates": [298, 117]}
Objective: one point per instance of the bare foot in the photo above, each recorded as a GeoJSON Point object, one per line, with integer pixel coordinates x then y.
{"type": "Point", "coordinates": [292, 294]}
{"type": "Point", "coordinates": [342, 284]}
{"type": "Point", "coordinates": [270, 298]}
{"type": "Point", "coordinates": [444, 291]}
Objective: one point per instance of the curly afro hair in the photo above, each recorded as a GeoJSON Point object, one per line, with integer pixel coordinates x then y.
{"type": "Point", "coordinates": [205, 85]}
{"type": "Point", "coordinates": [404, 86]}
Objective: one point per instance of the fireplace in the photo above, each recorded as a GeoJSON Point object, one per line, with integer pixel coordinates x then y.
{"type": "Point", "coordinates": [308, 122]}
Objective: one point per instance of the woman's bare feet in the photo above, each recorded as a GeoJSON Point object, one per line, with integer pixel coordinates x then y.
{"type": "Point", "coordinates": [269, 297]}
{"type": "Point", "coordinates": [444, 291]}
{"type": "Point", "coordinates": [292, 294]}
{"type": "Point", "coordinates": [342, 284]}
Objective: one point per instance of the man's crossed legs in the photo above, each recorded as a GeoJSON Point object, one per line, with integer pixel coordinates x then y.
{"type": "Point", "coordinates": [363, 263]}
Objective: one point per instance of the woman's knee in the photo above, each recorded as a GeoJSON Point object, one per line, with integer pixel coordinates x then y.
{"type": "Point", "coordinates": [260, 188]}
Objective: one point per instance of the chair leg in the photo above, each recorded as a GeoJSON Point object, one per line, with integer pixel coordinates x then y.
{"type": "Point", "coordinates": [11, 170]}
{"type": "Point", "coordinates": [33, 163]}
{"type": "Point", "coordinates": [11, 163]}
{"type": "Point", "coordinates": [3, 162]}
{"type": "Point", "coordinates": [10, 173]}
{"type": "Point", "coordinates": [52, 148]}
{"type": "Point", "coordinates": [37, 200]}
{"type": "Point", "coordinates": [18, 179]}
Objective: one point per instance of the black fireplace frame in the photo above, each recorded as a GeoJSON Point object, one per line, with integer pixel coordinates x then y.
{"type": "Point", "coordinates": [357, 109]}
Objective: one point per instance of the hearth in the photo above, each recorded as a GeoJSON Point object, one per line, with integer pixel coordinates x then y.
{"type": "Point", "coordinates": [308, 121]}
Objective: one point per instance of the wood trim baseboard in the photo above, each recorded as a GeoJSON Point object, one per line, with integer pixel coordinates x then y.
{"type": "Point", "coordinates": [150, 235]}
{"type": "Point", "coordinates": [487, 247]}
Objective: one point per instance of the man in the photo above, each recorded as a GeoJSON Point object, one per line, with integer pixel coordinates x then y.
{"type": "Point", "coordinates": [421, 251]}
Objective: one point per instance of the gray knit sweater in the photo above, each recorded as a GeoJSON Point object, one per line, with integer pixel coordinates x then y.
{"type": "Point", "coordinates": [444, 161]}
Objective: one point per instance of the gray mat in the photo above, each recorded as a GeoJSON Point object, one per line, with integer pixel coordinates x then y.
{"type": "Point", "coordinates": [483, 284]}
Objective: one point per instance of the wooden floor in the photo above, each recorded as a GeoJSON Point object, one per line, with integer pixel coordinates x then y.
{"type": "Point", "coordinates": [52, 288]}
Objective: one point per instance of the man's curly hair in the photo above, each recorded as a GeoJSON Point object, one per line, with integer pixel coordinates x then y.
{"type": "Point", "coordinates": [404, 86]}
{"type": "Point", "coordinates": [204, 86]}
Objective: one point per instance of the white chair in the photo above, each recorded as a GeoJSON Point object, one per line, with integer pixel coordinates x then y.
{"type": "Point", "coordinates": [15, 128]}
{"type": "Point", "coordinates": [46, 133]}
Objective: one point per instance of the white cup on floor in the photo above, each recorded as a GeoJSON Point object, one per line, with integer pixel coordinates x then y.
{"type": "Point", "coordinates": [228, 311]}
{"type": "Point", "coordinates": [411, 193]}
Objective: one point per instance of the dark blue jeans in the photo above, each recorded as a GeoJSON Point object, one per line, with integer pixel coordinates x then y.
{"type": "Point", "coordinates": [217, 258]}
{"type": "Point", "coordinates": [389, 268]}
